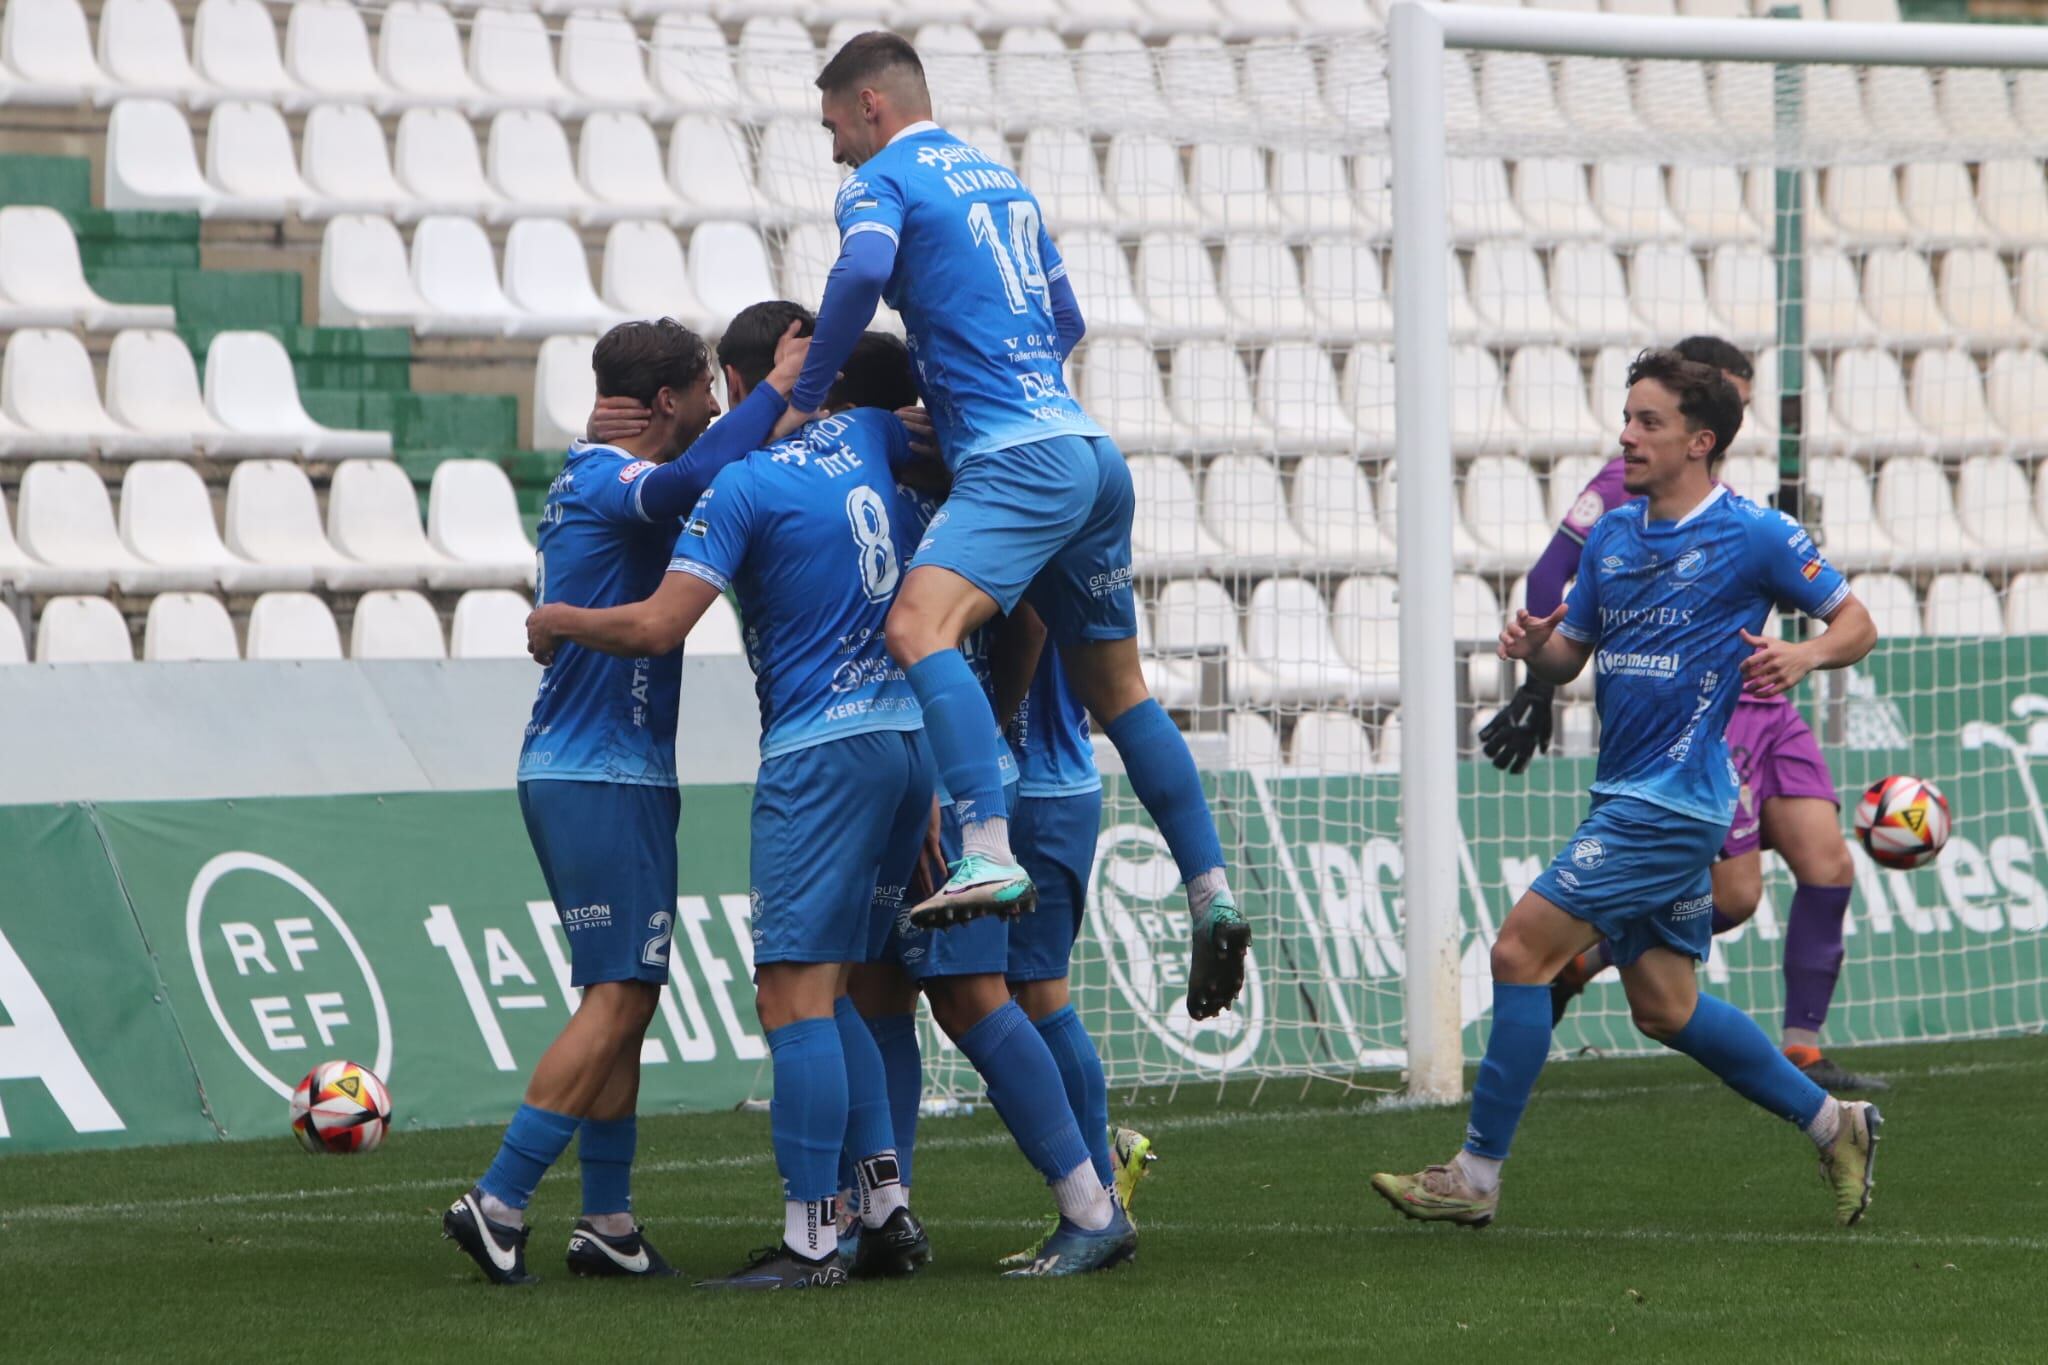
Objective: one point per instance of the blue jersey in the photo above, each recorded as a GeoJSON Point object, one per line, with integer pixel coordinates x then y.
{"type": "Point", "coordinates": [597, 718]}
{"type": "Point", "coordinates": [1049, 735]}
{"type": "Point", "coordinates": [812, 535]}
{"type": "Point", "coordinates": [972, 279]}
{"type": "Point", "coordinates": [1663, 603]}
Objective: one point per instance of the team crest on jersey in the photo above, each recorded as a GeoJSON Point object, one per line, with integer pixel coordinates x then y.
{"type": "Point", "coordinates": [1688, 565]}
{"type": "Point", "coordinates": [1588, 509]}
{"type": "Point", "coordinates": [635, 470]}
{"type": "Point", "coordinates": [1589, 853]}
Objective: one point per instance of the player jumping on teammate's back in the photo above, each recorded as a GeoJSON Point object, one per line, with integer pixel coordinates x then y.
{"type": "Point", "coordinates": [1672, 588]}
{"type": "Point", "coordinates": [1040, 507]}
{"type": "Point", "coordinates": [1786, 800]}
{"type": "Point", "coordinates": [810, 533]}
{"type": "Point", "coordinates": [597, 785]}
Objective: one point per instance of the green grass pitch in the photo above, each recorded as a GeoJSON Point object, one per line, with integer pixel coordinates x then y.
{"type": "Point", "coordinates": [1649, 1215]}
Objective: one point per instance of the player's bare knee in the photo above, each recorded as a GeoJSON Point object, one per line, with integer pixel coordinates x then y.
{"type": "Point", "coordinates": [1827, 864]}
{"type": "Point", "coordinates": [1658, 1020]}
{"type": "Point", "coordinates": [1515, 960]}
{"type": "Point", "coordinates": [1042, 999]}
{"type": "Point", "coordinates": [911, 633]}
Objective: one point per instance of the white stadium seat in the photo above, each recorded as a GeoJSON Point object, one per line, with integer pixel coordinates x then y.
{"type": "Point", "coordinates": [292, 626]}
{"type": "Point", "coordinates": [1993, 503]}
{"type": "Point", "coordinates": [529, 164]}
{"type": "Point", "coordinates": [82, 630]}
{"type": "Point", "coordinates": [1145, 182]}
{"type": "Point", "coordinates": [2016, 385]}
{"type": "Point", "coordinates": [1975, 105]}
{"type": "Point", "coordinates": [1118, 88]}
{"type": "Point", "coordinates": [1588, 293]}
{"type": "Point", "coordinates": [620, 162]}
{"type": "Point", "coordinates": [1178, 286]}
{"type": "Point", "coordinates": [47, 46]}
{"type": "Point", "coordinates": [547, 278]}
{"type": "Point", "coordinates": [1366, 620]}
{"type": "Point", "coordinates": [1918, 510]}
{"type": "Point", "coordinates": [2026, 604]}
{"type": "Point", "coordinates": [690, 63]}
{"type": "Point", "coordinates": [1595, 97]}
{"type": "Point", "coordinates": [454, 271]}
{"type": "Point", "coordinates": [795, 172]}
{"type": "Point", "coordinates": [252, 166]}
{"type": "Point", "coordinates": [1251, 744]}
{"type": "Point", "coordinates": [1124, 390]}
{"type": "Point", "coordinates": [1211, 393]}
{"type": "Point", "coordinates": [1834, 106]}
{"type": "Point", "coordinates": [1515, 92]}
{"type": "Point", "coordinates": [1198, 78]}
{"type": "Point", "coordinates": [373, 515]}
{"type": "Point", "coordinates": [1262, 289]}
{"type": "Point", "coordinates": [365, 280]}
{"type": "Point", "coordinates": [1742, 290]}
{"type": "Point", "coordinates": [250, 388]}
{"type": "Point", "coordinates": [398, 624]}
{"type": "Point", "coordinates": [327, 50]}
{"type": "Point", "coordinates": [43, 284]}
{"type": "Point", "coordinates": [1835, 315]}
{"type": "Point", "coordinates": [142, 52]}
{"type": "Point", "coordinates": [419, 55]}
{"type": "Point", "coordinates": [1333, 507]}
{"type": "Point", "coordinates": [1849, 531]}
{"type": "Point", "coordinates": [1174, 683]}
{"type": "Point", "coordinates": [1330, 742]}
{"type": "Point", "coordinates": [1890, 601]}
{"type": "Point", "coordinates": [1481, 206]}
{"type": "Point", "coordinates": [564, 391]}
{"type": "Point", "coordinates": [47, 389]}
{"type": "Point", "coordinates": [1870, 404]}
{"type": "Point", "coordinates": [1948, 397]}
{"type": "Point", "coordinates": [776, 63]}
{"type": "Point", "coordinates": [511, 57]}
{"type": "Point", "coordinates": [1898, 289]}
{"type": "Point", "coordinates": [2012, 198]}
{"type": "Point", "coordinates": [1510, 294]}
{"type": "Point", "coordinates": [1099, 273]}
{"type": "Point", "coordinates": [708, 168]}
{"type": "Point", "coordinates": [1229, 187]}
{"type": "Point", "coordinates": [2032, 288]}
{"type": "Point", "coordinates": [1059, 165]}
{"type": "Point", "coordinates": [437, 162]}
{"type": "Point", "coordinates": [1629, 196]}
{"type": "Point", "coordinates": [1167, 532]}
{"type": "Point", "coordinates": [1673, 96]}
{"type": "Point", "coordinates": [1976, 299]}
{"type": "Point", "coordinates": [1547, 395]}
{"type": "Point", "coordinates": [234, 47]}
{"type": "Point", "coordinates": [186, 626]}
{"type": "Point", "coordinates": [1291, 653]}
{"type": "Point", "coordinates": [1480, 420]}
{"type": "Point", "coordinates": [1345, 290]}
{"type": "Point", "coordinates": [808, 252]}
{"type": "Point", "coordinates": [20, 570]}
{"type": "Point", "coordinates": [1962, 604]}
{"type": "Point", "coordinates": [348, 166]}
{"type": "Point", "coordinates": [1195, 620]}
{"type": "Point", "coordinates": [1941, 205]}
{"type": "Point", "coordinates": [273, 518]}
{"type": "Point", "coordinates": [1822, 435]}
{"type": "Point", "coordinates": [644, 275]}
{"type": "Point", "coordinates": [150, 163]}
{"type": "Point", "coordinates": [1372, 183]}
{"type": "Point", "coordinates": [1710, 207]}
{"type": "Point", "coordinates": [1369, 396]}
{"type": "Point", "coordinates": [167, 519]}
{"type": "Point", "coordinates": [729, 267]}
{"type": "Point", "coordinates": [1568, 479]}
{"type": "Point", "coordinates": [66, 520]}
{"type": "Point", "coordinates": [1503, 508]}
{"type": "Point", "coordinates": [1668, 292]}
{"type": "Point", "coordinates": [473, 517]}
{"type": "Point", "coordinates": [1298, 395]}
{"type": "Point", "coordinates": [1035, 79]}
{"type": "Point", "coordinates": [1863, 201]}
{"type": "Point", "coordinates": [1245, 508]}
{"type": "Point", "coordinates": [1900, 100]}
{"type": "Point", "coordinates": [956, 69]}
{"type": "Point", "coordinates": [1551, 195]}
{"type": "Point", "coordinates": [1313, 193]}
{"type": "Point", "coordinates": [490, 623]}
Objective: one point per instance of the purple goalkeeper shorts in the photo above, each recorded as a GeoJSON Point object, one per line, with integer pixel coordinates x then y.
{"type": "Point", "coordinates": [1775, 754]}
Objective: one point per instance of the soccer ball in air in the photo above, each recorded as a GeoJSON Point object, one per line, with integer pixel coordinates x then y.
{"type": "Point", "coordinates": [341, 1108]}
{"type": "Point", "coordinates": [1903, 821]}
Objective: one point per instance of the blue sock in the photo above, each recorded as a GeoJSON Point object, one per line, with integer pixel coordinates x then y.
{"type": "Point", "coordinates": [1515, 1052]}
{"type": "Point", "coordinates": [1162, 773]}
{"type": "Point", "coordinates": [895, 1037]}
{"type": "Point", "coordinates": [604, 1148]}
{"type": "Point", "coordinates": [807, 1120]}
{"type": "Point", "coordinates": [1073, 1051]}
{"type": "Point", "coordinates": [1024, 1085]}
{"type": "Point", "coordinates": [1728, 1043]}
{"type": "Point", "coordinates": [869, 1128]}
{"type": "Point", "coordinates": [961, 728]}
{"type": "Point", "coordinates": [534, 1141]}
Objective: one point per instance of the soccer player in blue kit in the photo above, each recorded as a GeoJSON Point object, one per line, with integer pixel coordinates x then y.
{"type": "Point", "coordinates": [1672, 588]}
{"type": "Point", "coordinates": [597, 787]}
{"type": "Point", "coordinates": [811, 533]}
{"type": "Point", "coordinates": [1040, 508]}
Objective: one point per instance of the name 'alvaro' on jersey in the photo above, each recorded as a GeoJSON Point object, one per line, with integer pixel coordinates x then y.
{"type": "Point", "coordinates": [812, 535]}
{"type": "Point", "coordinates": [973, 268]}
{"type": "Point", "coordinates": [1664, 604]}
{"type": "Point", "coordinates": [597, 718]}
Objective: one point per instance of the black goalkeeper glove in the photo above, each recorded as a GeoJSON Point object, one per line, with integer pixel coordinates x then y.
{"type": "Point", "coordinates": [1521, 728]}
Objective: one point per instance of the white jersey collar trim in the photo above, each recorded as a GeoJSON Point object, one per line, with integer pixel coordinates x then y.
{"type": "Point", "coordinates": [921, 126]}
{"type": "Point", "coordinates": [1708, 501]}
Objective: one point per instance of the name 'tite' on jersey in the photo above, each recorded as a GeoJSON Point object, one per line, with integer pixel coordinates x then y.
{"type": "Point", "coordinates": [973, 266]}
{"type": "Point", "coordinates": [597, 718]}
{"type": "Point", "coordinates": [1664, 604]}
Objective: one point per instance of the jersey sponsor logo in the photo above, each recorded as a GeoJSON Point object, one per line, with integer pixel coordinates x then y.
{"type": "Point", "coordinates": [586, 917]}
{"type": "Point", "coordinates": [1693, 907]}
{"type": "Point", "coordinates": [1588, 509]}
{"type": "Point", "coordinates": [1566, 876]}
{"type": "Point", "coordinates": [1103, 584]}
{"type": "Point", "coordinates": [947, 157]}
{"type": "Point", "coordinates": [698, 527]}
{"type": "Point", "coordinates": [855, 674]}
{"type": "Point", "coordinates": [1632, 664]}
{"type": "Point", "coordinates": [1611, 564]}
{"type": "Point", "coordinates": [1589, 853]}
{"type": "Point", "coordinates": [635, 470]}
{"type": "Point", "coordinates": [1810, 570]}
{"type": "Point", "coordinates": [1613, 618]}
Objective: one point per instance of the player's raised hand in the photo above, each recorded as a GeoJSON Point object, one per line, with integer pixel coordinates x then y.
{"type": "Point", "coordinates": [790, 351]}
{"type": "Point", "coordinates": [1525, 636]}
{"type": "Point", "coordinates": [541, 639]}
{"type": "Point", "coordinates": [616, 419]}
{"type": "Point", "coordinates": [1776, 666]}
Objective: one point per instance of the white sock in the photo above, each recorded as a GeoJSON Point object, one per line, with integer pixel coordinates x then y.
{"type": "Point", "coordinates": [1204, 888]}
{"type": "Point", "coordinates": [990, 838]}
{"type": "Point", "coordinates": [1802, 1037]}
{"type": "Point", "coordinates": [1826, 1124]}
{"type": "Point", "coordinates": [810, 1227]}
{"type": "Point", "coordinates": [881, 1188]}
{"type": "Point", "coordinates": [610, 1224]}
{"type": "Point", "coordinates": [498, 1211]}
{"type": "Point", "coordinates": [1482, 1173]}
{"type": "Point", "coordinates": [1082, 1199]}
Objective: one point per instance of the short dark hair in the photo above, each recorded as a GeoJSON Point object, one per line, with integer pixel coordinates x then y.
{"type": "Point", "coordinates": [876, 375]}
{"type": "Point", "coordinates": [1705, 397]}
{"type": "Point", "coordinates": [865, 57]}
{"type": "Point", "coordinates": [637, 360]}
{"type": "Point", "coordinates": [1722, 354]}
{"type": "Point", "coordinates": [750, 338]}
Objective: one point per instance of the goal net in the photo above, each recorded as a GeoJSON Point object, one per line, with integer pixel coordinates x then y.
{"type": "Point", "coordinates": [1869, 234]}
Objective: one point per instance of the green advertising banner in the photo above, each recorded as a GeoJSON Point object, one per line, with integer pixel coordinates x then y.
{"type": "Point", "coordinates": [169, 970]}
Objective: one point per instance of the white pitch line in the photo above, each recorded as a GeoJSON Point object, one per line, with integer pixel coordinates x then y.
{"type": "Point", "coordinates": [1164, 1123]}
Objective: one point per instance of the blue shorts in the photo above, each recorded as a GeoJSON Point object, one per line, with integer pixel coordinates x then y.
{"type": "Point", "coordinates": [1055, 840]}
{"type": "Point", "coordinates": [1639, 874]}
{"type": "Point", "coordinates": [608, 853]}
{"type": "Point", "coordinates": [835, 826]}
{"type": "Point", "coordinates": [980, 947]}
{"type": "Point", "coordinates": [1048, 521]}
